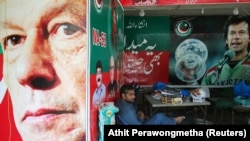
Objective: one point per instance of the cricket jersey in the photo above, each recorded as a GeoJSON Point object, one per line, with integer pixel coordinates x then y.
{"type": "Point", "coordinates": [228, 75]}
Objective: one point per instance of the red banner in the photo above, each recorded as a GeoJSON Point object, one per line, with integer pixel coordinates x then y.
{"type": "Point", "coordinates": [145, 69]}
{"type": "Point", "coordinates": [179, 2]}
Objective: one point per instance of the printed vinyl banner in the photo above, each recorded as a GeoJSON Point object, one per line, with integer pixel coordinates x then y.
{"type": "Point", "coordinates": [178, 50]}
{"type": "Point", "coordinates": [106, 27]}
{"type": "Point", "coordinates": [43, 65]}
{"type": "Point", "coordinates": [179, 2]}
{"type": "Point", "coordinates": [146, 51]}
{"type": "Point", "coordinates": [196, 44]}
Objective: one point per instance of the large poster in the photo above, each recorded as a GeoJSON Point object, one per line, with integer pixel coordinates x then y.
{"type": "Point", "coordinates": [196, 44]}
{"type": "Point", "coordinates": [146, 50]}
{"type": "Point", "coordinates": [105, 61]}
{"type": "Point", "coordinates": [182, 50]}
{"type": "Point", "coordinates": [44, 60]}
{"type": "Point", "coordinates": [178, 2]}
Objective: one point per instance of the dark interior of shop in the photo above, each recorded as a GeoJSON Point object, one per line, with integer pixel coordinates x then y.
{"type": "Point", "coordinates": [214, 116]}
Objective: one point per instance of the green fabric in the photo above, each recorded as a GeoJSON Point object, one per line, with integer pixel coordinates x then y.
{"type": "Point", "coordinates": [228, 75]}
{"type": "Point", "coordinates": [224, 103]}
{"type": "Point", "coordinates": [242, 100]}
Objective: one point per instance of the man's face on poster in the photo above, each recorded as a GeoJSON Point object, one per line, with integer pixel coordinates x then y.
{"type": "Point", "coordinates": [45, 47]}
{"type": "Point", "coordinates": [99, 77]}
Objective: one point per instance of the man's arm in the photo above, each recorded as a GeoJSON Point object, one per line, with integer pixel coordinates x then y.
{"type": "Point", "coordinates": [131, 118]}
{"type": "Point", "coordinates": [142, 116]}
{"type": "Point", "coordinates": [128, 113]}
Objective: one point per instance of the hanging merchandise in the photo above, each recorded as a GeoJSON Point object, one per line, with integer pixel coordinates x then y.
{"type": "Point", "coordinates": [106, 117]}
{"type": "Point", "coordinates": [242, 89]}
{"type": "Point", "coordinates": [242, 93]}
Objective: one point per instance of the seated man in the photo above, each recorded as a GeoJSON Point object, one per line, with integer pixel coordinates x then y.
{"type": "Point", "coordinates": [128, 111]}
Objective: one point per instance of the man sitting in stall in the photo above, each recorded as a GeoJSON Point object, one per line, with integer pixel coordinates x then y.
{"type": "Point", "coordinates": [129, 113]}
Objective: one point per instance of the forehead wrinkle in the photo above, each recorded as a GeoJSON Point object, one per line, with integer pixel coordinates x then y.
{"type": "Point", "coordinates": [73, 10]}
{"type": "Point", "coordinates": [10, 26]}
{"type": "Point", "coordinates": [47, 11]}
{"type": "Point", "coordinates": [78, 11]}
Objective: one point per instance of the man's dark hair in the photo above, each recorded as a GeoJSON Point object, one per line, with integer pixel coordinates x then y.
{"type": "Point", "coordinates": [125, 88]}
{"type": "Point", "coordinates": [236, 19]}
{"type": "Point", "coordinates": [99, 64]}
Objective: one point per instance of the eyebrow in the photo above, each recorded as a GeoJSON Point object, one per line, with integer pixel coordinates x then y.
{"type": "Point", "coordinates": [73, 8]}
{"type": "Point", "coordinates": [9, 25]}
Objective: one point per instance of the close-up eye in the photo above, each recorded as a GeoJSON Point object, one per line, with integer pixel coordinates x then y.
{"type": "Point", "coordinates": [13, 40]}
{"type": "Point", "coordinates": [243, 32]}
{"type": "Point", "coordinates": [66, 29]}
